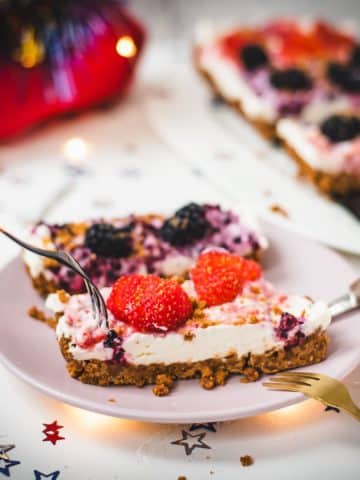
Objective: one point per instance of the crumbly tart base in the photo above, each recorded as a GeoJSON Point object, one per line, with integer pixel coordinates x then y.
{"type": "Point", "coordinates": [37, 314]}
{"type": "Point", "coordinates": [267, 130]}
{"type": "Point", "coordinates": [41, 284]}
{"type": "Point", "coordinates": [341, 183]}
{"type": "Point", "coordinates": [211, 372]}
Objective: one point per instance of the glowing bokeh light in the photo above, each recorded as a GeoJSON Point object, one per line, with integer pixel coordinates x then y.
{"type": "Point", "coordinates": [75, 150]}
{"type": "Point", "coordinates": [125, 47]}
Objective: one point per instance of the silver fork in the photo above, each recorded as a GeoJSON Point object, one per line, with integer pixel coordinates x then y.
{"type": "Point", "coordinates": [348, 302]}
{"type": "Point", "coordinates": [97, 302]}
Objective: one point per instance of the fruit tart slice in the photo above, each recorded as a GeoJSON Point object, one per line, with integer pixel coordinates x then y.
{"type": "Point", "coordinates": [226, 319]}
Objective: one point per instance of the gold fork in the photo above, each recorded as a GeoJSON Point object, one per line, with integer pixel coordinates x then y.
{"type": "Point", "coordinates": [315, 385]}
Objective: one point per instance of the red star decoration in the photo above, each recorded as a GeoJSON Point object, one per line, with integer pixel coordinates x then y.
{"type": "Point", "coordinates": [51, 431]}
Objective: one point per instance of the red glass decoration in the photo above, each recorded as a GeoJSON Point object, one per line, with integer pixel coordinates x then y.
{"type": "Point", "coordinates": [66, 64]}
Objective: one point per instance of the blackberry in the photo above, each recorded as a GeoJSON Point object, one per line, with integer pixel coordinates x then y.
{"type": "Point", "coordinates": [346, 77]}
{"type": "Point", "coordinates": [287, 322]}
{"type": "Point", "coordinates": [108, 241]}
{"type": "Point", "coordinates": [339, 128]}
{"type": "Point", "coordinates": [110, 340]}
{"type": "Point", "coordinates": [188, 224]}
{"type": "Point", "coordinates": [253, 56]}
{"type": "Point", "coordinates": [355, 56]}
{"type": "Point", "coordinates": [290, 79]}
{"type": "Point", "coordinates": [336, 73]}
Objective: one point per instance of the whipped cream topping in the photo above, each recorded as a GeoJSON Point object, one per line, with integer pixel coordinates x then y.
{"type": "Point", "coordinates": [317, 151]}
{"type": "Point", "coordinates": [253, 322]}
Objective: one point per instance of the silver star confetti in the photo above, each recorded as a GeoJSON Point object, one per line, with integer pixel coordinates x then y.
{"type": "Point", "coordinates": [190, 442]}
{"type": "Point", "coordinates": [3, 451]}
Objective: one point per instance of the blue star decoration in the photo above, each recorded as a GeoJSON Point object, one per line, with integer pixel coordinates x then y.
{"type": "Point", "coordinates": [40, 475]}
{"type": "Point", "coordinates": [210, 427]}
{"type": "Point", "coordinates": [5, 466]}
{"type": "Point", "coordinates": [190, 441]}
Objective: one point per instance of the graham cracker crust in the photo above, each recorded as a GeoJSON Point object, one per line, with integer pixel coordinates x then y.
{"type": "Point", "coordinates": [211, 372]}
{"type": "Point", "coordinates": [341, 183]}
{"type": "Point", "coordinates": [41, 284]}
{"type": "Point", "coordinates": [267, 130]}
{"type": "Point", "coordinates": [37, 314]}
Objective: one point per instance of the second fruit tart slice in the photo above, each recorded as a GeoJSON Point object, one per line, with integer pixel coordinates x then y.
{"type": "Point", "coordinates": [153, 243]}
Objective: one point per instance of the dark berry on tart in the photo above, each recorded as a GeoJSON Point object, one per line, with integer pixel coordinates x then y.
{"type": "Point", "coordinates": [355, 56]}
{"type": "Point", "coordinates": [339, 128]}
{"type": "Point", "coordinates": [187, 225]}
{"type": "Point", "coordinates": [253, 56]}
{"type": "Point", "coordinates": [344, 76]}
{"type": "Point", "coordinates": [292, 79]}
{"type": "Point", "coordinates": [108, 241]}
{"type": "Point", "coordinates": [110, 338]}
{"type": "Point", "coordinates": [336, 73]}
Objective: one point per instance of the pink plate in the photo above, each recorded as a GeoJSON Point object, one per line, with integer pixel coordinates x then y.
{"type": "Point", "coordinates": [29, 349]}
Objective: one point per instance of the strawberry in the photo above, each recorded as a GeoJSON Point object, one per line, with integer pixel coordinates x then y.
{"type": "Point", "coordinates": [251, 270]}
{"type": "Point", "coordinates": [149, 304]}
{"type": "Point", "coordinates": [219, 276]}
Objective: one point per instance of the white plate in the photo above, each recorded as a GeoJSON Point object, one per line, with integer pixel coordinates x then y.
{"type": "Point", "coordinates": [228, 151]}
{"type": "Point", "coordinates": [29, 349]}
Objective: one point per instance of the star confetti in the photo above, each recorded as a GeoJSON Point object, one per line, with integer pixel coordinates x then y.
{"type": "Point", "coordinates": [51, 432]}
{"type": "Point", "coordinates": [3, 451]}
{"type": "Point", "coordinates": [210, 427]}
{"type": "Point", "coordinates": [189, 443]}
{"type": "Point", "coordinates": [331, 409]}
{"type": "Point", "coordinates": [5, 466]}
{"type": "Point", "coordinates": [52, 475]}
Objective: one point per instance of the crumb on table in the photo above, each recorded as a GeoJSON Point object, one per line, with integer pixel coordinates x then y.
{"type": "Point", "coordinates": [246, 460]}
{"type": "Point", "coordinates": [275, 208]}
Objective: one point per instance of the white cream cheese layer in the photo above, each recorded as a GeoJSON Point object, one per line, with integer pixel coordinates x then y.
{"type": "Point", "coordinates": [215, 341]}
{"type": "Point", "coordinates": [232, 85]}
{"type": "Point", "coordinates": [39, 238]}
{"type": "Point", "coordinates": [228, 77]}
{"type": "Point", "coordinates": [335, 160]}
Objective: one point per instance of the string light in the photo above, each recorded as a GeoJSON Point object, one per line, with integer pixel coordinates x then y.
{"type": "Point", "coordinates": [75, 150]}
{"type": "Point", "coordinates": [125, 47]}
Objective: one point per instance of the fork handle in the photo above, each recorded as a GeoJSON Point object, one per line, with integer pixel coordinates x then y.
{"type": "Point", "coordinates": [344, 304]}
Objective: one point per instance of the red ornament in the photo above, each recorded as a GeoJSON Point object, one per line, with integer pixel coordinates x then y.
{"type": "Point", "coordinates": [54, 68]}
